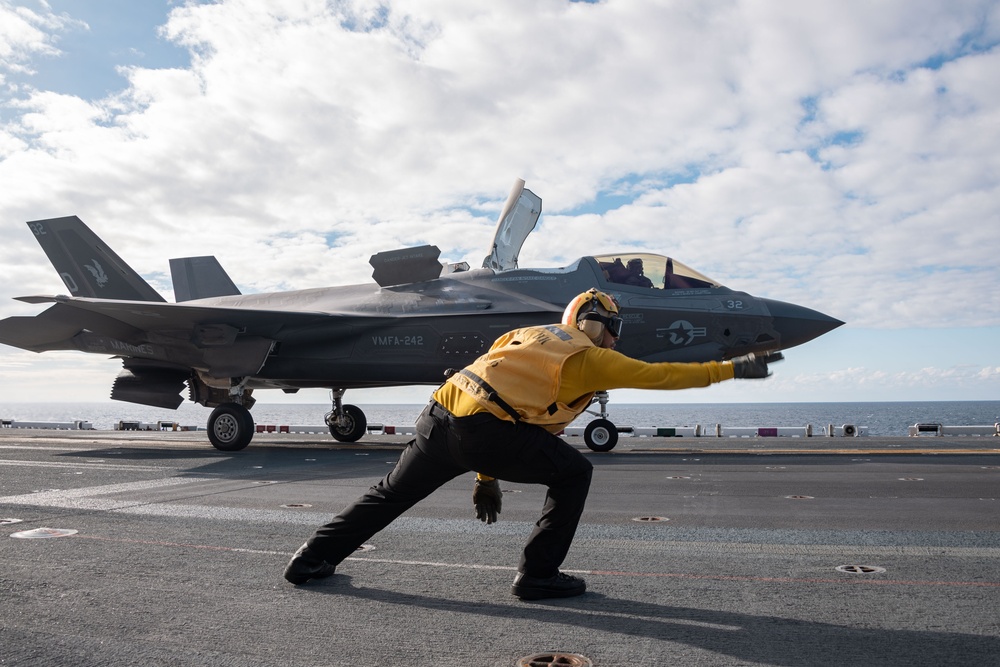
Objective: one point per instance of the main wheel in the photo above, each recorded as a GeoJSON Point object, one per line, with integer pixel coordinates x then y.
{"type": "Point", "coordinates": [350, 427]}
{"type": "Point", "coordinates": [230, 427]}
{"type": "Point", "coordinates": [601, 435]}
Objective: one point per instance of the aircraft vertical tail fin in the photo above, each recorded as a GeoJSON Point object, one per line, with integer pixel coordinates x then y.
{"type": "Point", "coordinates": [200, 278]}
{"type": "Point", "coordinates": [87, 266]}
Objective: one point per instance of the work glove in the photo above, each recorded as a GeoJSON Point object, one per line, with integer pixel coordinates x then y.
{"type": "Point", "coordinates": [487, 497]}
{"type": "Point", "coordinates": [754, 366]}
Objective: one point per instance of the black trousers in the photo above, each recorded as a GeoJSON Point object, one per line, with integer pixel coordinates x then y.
{"type": "Point", "coordinates": [446, 447]}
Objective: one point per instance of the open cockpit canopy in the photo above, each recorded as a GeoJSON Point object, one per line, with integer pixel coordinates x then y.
{"type": "Point", "coordinates": [651, 271]}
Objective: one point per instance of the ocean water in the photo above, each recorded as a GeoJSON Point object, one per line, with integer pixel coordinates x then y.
{"type": "Point", "coordinates": [881, 418]}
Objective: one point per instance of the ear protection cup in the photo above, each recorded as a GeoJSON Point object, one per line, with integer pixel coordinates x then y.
{"type": "Point", "coordinates": [593, 329]}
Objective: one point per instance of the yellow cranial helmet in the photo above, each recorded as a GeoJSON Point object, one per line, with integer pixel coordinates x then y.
{"type": "Point", "coordinates": [592, 312]}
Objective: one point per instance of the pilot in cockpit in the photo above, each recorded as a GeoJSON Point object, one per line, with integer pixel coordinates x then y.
{"type": "Point", "coordinates": [635, 274]}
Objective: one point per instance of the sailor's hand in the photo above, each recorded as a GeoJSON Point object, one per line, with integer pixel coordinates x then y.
{"type": "Point", "coordinates": [487, 497]}
{"type": "Point", "coordinates": [754, 366]}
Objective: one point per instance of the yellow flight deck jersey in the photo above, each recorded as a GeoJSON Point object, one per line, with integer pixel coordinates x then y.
{"type": "Point", "coordinates": [558, 370]}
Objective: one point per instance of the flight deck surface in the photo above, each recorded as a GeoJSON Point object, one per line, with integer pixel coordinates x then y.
{"type": "Point", "coordinates": [696, 551]}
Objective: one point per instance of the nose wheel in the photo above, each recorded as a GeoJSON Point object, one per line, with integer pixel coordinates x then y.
{"type": "Point", "coordinates": [601, 435]}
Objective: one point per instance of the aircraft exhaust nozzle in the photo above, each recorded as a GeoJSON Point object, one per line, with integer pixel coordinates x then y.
{"type": "Point", "coordinates": [798, 324]}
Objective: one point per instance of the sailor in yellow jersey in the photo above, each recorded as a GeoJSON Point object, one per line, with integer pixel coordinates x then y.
{"type": "Point", "coordinates": [498, 417]}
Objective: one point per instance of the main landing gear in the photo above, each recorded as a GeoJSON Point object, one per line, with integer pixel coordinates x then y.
{"type": "Point", "coordinates": [601, 435]}
{"type": "Point", "coordinates": [347, 422]}
{"type": "Point", "coordinates": [231, 426]}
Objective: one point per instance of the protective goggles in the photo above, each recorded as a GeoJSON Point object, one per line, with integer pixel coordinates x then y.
{"type": "Point", "coordinates": [613, 323]}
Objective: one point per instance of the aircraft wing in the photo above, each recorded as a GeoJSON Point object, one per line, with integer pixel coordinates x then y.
{"type": "Point", "coordinates": [219, 322]}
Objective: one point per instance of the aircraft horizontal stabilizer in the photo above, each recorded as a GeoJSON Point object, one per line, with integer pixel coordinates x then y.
{"type": "Point", "coordinates": [53, 328]}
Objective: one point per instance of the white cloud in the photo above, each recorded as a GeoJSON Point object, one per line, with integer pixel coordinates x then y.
{"type": "Point", "coordinates": [26, 34]}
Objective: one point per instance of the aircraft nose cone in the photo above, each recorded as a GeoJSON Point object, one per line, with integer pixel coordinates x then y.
{"type": "Point", "coordinates": [798, 324]}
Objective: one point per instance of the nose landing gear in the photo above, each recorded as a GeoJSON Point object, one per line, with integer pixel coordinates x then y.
{"type": "Point", "coordinates": [347, 422]}
{"type": "Point", "coordinates": [601, 435]}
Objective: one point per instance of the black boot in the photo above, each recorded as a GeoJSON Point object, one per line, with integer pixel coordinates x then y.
{"type": "Point", "coordinates": [305, 566]}
{"type": "Point", "coordinates": [537, 588]}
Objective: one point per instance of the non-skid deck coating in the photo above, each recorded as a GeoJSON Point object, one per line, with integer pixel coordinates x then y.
{"type": "Point", "coordinates": [179, 549]}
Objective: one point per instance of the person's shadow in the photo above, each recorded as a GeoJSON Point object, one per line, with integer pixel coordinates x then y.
{"type": "Point", "coordinates": [767, 640]}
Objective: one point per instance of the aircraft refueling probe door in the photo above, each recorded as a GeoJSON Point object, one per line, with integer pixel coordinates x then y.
{"type": "Point", "coordinates": [516, 221]}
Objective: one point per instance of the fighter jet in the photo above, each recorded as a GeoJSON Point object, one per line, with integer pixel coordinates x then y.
{"type": "Point", "coordinates": [417, 319]}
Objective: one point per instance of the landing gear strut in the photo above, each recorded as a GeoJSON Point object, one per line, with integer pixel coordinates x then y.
{"type": "Point", "coordinates": [601, 435]}
{"type": "Point", "coordinates": [347, 422]}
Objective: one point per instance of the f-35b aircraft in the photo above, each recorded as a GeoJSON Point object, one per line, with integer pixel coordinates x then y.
{"type": "Point", "coordinates": [416, 320]}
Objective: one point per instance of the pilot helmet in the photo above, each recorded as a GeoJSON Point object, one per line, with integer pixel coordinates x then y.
{"type": "Point", "coordinates": [592, 312]}
{"type": "Point", "coordinates": [635, 265]}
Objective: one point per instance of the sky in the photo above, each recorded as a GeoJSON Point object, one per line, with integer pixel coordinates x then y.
{"type": "Point", "coordinates": [842, 156]}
